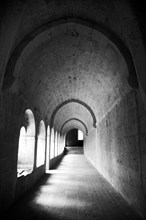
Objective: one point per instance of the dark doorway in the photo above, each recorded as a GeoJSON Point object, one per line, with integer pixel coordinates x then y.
{"type": "Point", "coordinates": [74, 138]}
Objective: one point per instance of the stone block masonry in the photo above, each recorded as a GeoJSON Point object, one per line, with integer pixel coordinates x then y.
{"type": "Point", "coordinates": [118, 155]}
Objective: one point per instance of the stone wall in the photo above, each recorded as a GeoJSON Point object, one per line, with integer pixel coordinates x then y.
{"type": "Point", "coordinates": [118, 156]}
{"type": "Point", "coordinates": [142, 139]}
{"type": "Point", "coordinates": [11, 111]}
{"type": "Point", "coordinates": [25, 183]}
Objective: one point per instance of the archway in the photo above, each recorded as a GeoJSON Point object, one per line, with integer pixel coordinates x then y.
{"type": "Point", "coordinates": [48, 147]}
{"type": "Point", "coordinates": [56, 144]}
{"type": "Point", "coordinates": [74, 137]}
{"type": "Point", "coordinates": [52, 144]}
{"type": "Point", "coordinates": [26, 145]}
{"type": "Point", "coordinates": [41, 145]}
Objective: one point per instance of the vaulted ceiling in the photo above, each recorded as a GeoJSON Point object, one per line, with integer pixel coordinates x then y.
{"type": "Point", "coordinates": [71, 70]}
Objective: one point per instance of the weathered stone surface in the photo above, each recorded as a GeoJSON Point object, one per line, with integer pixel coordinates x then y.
{"type": "Point", "coordinates": [90, 51]}
{"type": "Point", "coordinates": [116, 153]}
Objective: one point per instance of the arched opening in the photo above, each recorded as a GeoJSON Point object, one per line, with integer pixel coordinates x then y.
{"type": "Point", "coordinates": [41, 145]}
{"type": "Point", "coordinates": [74, 138]}
{"type": "Point", "coordinates": [26, 145]}
{"type": "Point", "coordinates": [58, 148]}
{"type": "Point", "coordinates": [52, 144]}
{"type": "Point", "coordinates": [48, 147]}
{"type": "Point", "coordinates": [61, 142]}
{"type": "Point", "coordinates": [56, 144]}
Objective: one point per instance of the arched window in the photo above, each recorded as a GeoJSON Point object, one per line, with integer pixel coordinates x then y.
{"type": "Point", "coordinates": [26, 146]}
{"type": "Point", "coordinates": [52, 144]}
{"type": "Point", "coordinates": [64, 137]}
{"type": "Point", "coordinates": [61, 143]}
{"type": "Point", "coordinates": [41, 145]}
{"type": "Point", "coordinates": [58, 148]}
{"type": "Point", "coordinates": [48, 147]}
{"type": "Point", "coordinates": [56, 143]}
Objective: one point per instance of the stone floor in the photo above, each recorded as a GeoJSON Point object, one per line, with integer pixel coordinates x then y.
{"type": "Point", "coordinates": [75, 190]}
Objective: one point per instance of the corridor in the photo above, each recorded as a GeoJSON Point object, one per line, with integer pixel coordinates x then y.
{"type": "Point", "coordinates": [74, 190]}
{"type": "Point", "coordinates": [69, 66]}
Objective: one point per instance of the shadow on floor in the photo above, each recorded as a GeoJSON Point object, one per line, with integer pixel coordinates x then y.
{"type": "Point", "coordinates": [27, 208]}
{"type": "Point", "coordinates": [74, 190]}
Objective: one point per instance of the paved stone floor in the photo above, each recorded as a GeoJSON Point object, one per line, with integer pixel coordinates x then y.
{"type": "Point", "coordinates": [75, 190]}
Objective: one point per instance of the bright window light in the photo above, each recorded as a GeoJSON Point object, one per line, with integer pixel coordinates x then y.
{"type": "Point", "coordinates": [41, 145]}
{"type": "Point", "coordinates": [80, 135]}
{"type": "Point", "coordinates": [26, 146]}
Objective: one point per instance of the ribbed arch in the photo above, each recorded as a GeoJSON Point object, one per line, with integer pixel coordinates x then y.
{"type": "Point", "coordinates": [74, 119]}
{"type": "Point", "coordinates": [73, 101]}
{"type": "Point", "coordinates": [9, 73]}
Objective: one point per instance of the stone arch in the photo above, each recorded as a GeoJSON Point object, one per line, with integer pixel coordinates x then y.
{"type": "Point", "coordinates": [71, 101]}
{"type": "Point", "coordinates": [48, 147]}
{"type": "Point", "coordinates": [26, 147]}
{"type": "Point", "coordinates": [41, 144]}
{"type": "Point", "coordinates": [9, 77]}
{"type": "Point", "coordinates": [76, 119]}
{"type": "Point", "coordinates": [52, 136]}
{"type": "Point", "coordinates": [56, 144]}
